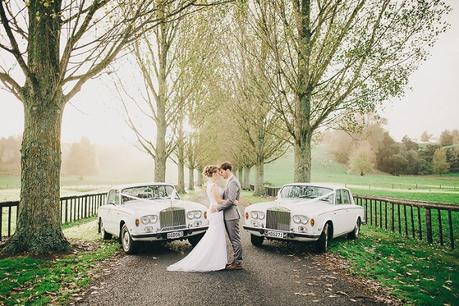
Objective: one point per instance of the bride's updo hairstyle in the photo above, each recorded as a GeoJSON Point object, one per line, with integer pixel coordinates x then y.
{"type": "Point", "coordinates": [209, 170]}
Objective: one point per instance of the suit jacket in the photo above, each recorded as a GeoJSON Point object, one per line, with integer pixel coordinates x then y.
{"type": "Point", "coordinates": [232, 193]}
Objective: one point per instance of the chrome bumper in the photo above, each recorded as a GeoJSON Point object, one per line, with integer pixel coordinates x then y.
{"type": "Point", "coordinates": [187, 232]}
{"type": "Point", "coordinates": [289, 234]}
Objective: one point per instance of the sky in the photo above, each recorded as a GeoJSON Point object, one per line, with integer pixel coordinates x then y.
{"type": "Point", "coordinates": [431, 103]}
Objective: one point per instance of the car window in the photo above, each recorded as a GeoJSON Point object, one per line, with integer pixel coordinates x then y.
{"type": "Point", "coordinates": [149, 192]}
{"type": "Point", "coordinates": [111, 197]}
{"type": "Point", "coordinates": [346, 197]}
{"type": "Point", "coordinates": [339, 198]}
{"type": "Point", "coordinates": [117, 197]}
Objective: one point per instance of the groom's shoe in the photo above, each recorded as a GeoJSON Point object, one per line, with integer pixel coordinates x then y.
{"type": "Point", "coordinates": [234, 266]}
{"type": "Point", "coordinates": [228, 265]}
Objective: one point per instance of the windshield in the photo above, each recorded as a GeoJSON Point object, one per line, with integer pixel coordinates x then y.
{"type": "Point", "coordinates": [306, 192]}
{"type": "Point", "coordinates": [149, 192]}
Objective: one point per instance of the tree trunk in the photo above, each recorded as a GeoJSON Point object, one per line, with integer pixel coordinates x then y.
{"type": "Point", "coordinates": [161, 102]}
{"type": "Point", "coordinates": [239, 174]}
{"type": "Point", "coordinates": [181, 158]}
{"type": "Point", "coordinates": [260, 177]}
{"type": "Point", "coordinates": [160, 156]}
{"type": "Point", "coordinates": [302, 159]}
{"type": "Point", "coordinates": [181, 172]}
{"type": "Point", "coordinates": [303, 129]}
{"type": "Point", "coordinates": [200, 177]}
{"type": "Point", "coordinates": [246, 182]}
{"type": "Point", "coordinates": [190, 179]}
{"type": "Point", "coordinates": [38, 229]}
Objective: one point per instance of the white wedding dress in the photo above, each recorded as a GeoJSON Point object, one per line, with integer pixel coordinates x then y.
{"type": "Point", "coordinates": [210, 253]}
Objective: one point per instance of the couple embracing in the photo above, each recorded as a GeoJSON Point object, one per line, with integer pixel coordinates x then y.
{"type": "Point", "coordinates": [210, 253]}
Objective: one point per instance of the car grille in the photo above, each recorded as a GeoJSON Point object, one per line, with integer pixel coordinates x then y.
{"type": "Point", "coordinates": [172, 218]}
{"type": "Point", "coordinates": [277, 219]}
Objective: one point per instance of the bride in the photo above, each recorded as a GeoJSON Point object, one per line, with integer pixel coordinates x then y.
{"type": "Point", "coordinates": [210, 253]}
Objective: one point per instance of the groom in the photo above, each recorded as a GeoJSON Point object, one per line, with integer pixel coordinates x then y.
{"type": "Point", "coordinates": [231, 214]}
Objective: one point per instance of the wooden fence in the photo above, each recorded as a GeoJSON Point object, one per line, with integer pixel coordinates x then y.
{"type": "Point", "coordinates": [73, 208]}
{"type": "Point", "coordinates": [434, 223]}
{"type": "Point", "coordinates": [430, 222]}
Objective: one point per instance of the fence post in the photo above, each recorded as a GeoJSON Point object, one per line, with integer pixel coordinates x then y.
{"type": "Point", "coordinates": [440, 227]}
{"type": "Point", "coordinates": [406, 220]}
{"type": "Point", "coordinates": [1, 222]}
{"type": "Point", "coordinates": [419, 223]}
{"type": "Point", "coordinates": [385, 215]}
{"type": "Point", "coordinates": [393, 217]}
{"type": "Point", "coordinates": [412, 221]}
{"type": "Point", "coordinates": [9, 221]}
{"type": "Point", "coordinates": [429, 226]}
{"type": "Point", "coordinates": [450, 223]}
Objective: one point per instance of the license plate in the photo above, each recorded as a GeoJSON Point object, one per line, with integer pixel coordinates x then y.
{"type": "Point", "coordinates": [174, 235]}
{"type": "Point", "coordinates": [276, 234]}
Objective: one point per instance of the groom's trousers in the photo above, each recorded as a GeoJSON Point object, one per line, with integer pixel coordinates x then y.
{"type": "Point", "coordinates": [232, 228]}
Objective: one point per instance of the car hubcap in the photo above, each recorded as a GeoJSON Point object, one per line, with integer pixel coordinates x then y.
{"type": "Point", "coordinates": [126, 241]}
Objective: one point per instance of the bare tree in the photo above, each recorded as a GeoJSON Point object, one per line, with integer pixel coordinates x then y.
{"type": "Point", "coordinates": [50, 49]}
{"type": "Point", "coordinates": [332, 60]}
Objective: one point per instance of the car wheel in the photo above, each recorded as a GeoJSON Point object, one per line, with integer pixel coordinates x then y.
{"type": "Point", "coordinates": [194, 240]}
{"type": "Point", "coordinates": [356, 232]}
{"type": "Point", "coordinates": [256, 240]}
{"type": "Point", "coordinates": [103, 233]}
{"type": "Point", "coordinates": [322, 243]}
{"type": "Point", "coordinates": [129, 246]}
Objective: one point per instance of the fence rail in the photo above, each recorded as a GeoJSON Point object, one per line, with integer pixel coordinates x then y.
{"type": "Point", "coordinates": [434, 223]}
{"type": "Point", "coordinates": [430, 222]}
{"type": "Point", "coordinates": [73, 208]}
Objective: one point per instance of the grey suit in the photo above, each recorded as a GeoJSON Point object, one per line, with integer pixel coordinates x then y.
{"type": "Point", "coordinates": [232, 215]}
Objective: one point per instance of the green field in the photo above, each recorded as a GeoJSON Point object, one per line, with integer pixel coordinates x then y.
{"type": "Point", "coordinates": [325, 169]}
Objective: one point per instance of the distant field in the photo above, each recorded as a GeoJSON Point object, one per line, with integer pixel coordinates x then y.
{"type": "Point", "coordinates": [448, 198]}
{"type": "Point", "coordinates": [325, 169]}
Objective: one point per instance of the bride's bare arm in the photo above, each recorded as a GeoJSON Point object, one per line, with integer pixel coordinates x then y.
{"type": "Point", "coordinates": [217, 196]}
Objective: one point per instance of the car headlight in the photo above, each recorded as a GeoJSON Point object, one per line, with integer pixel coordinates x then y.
{"type": "Point", "coordinates": [145, 219]}
{"type": "Point", "coordinates": [261, 215]}
{"type": "Point", "coordinates": [300, 219]}
{"type": "Point", "coordinates": [149, 219]}
{"type": "Point", "coordinates": [154, 219]}
{"type": "Point", "coordinates": [257, 215]}
{"type": "Point", "coordinates": [304, 219]}
{"type": "Point", "coordinates": [194, 214]}
{"type": "Point", "coordinates": [254, 215]}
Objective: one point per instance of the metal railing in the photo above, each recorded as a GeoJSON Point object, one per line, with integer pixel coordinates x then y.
{"type": "Point", "coordinates": [73, 208]}
{"type": "Point", "coordinates": [434, 223]}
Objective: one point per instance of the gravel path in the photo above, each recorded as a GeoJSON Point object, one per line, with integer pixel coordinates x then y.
{"type": "Point", "coordinates": [275, 274]}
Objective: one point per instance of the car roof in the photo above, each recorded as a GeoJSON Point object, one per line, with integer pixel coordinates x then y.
{"type": "Point", "coordinates": [124, 186]}
{"type": "Point", "coordinates": [323, 185]}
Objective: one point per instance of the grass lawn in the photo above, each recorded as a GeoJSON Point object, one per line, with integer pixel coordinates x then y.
{"type": "Point", "coordinates": [36, 281]}
{"type": "Point", "coordinates": [413, 271]}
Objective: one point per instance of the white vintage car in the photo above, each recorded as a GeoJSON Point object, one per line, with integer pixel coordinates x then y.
{"type": "Point", "coordinates": [305, 212]}
{"type": "Point", "coordinates": [150, 212]}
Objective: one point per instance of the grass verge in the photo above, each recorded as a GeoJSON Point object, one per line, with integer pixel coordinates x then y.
{"type": "Point", "coordinates": [35, 281]}
{"type": "Point", "coordinates": [415, 272]}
